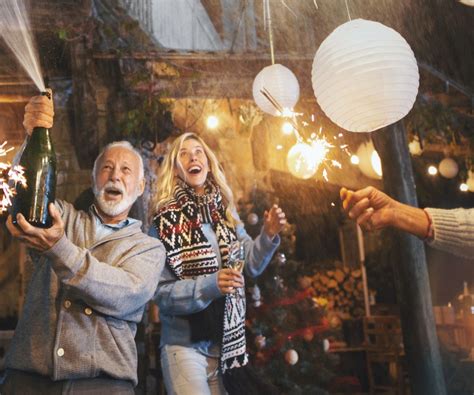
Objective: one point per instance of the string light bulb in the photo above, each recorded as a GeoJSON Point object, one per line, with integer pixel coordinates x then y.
{"type": "Point", "coordinates": [301, 161]}
{"type": "Point", "coordinates": [432, 170]}
{"type": "Point", "coordinates": [212, 122]}
{"type": "Point", "coordinates": [463, 187]}
{"type": "Point", "coordinates": [355, 160]}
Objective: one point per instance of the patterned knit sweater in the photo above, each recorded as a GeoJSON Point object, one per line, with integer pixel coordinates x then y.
{"type": "Point", "coordinates": [453, 231]}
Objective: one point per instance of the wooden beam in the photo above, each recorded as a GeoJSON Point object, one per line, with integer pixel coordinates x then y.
{"type": "Point", "coordinates": [213, 75]}
{"type": "Point", "coordinates": [6, 98]}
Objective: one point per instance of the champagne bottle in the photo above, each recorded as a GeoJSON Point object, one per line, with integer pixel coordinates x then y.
{"type": "Point", "coordinates": [39, 162]}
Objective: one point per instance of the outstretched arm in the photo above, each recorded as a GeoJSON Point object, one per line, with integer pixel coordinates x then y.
{"type": "Point", "coordinates": [373, 209]}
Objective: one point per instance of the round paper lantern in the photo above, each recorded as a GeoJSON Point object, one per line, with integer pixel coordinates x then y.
{"type": "Point", "coordinates": [365, 76]}
{"type": "Point", "coordinates": [470, 181]}
{"type": "Point", "coordinates": [282, 85]}
{"type": "Point", "coordinates": [369, 161]}
{"type": "Point", "coordinates": [448, 168]}
{"type": "Point", "coordinates": [291, 357]}
{"type": "Point", "coordinates": [470, 3]}
{"type": "Point", "coordinates": [302, 161]}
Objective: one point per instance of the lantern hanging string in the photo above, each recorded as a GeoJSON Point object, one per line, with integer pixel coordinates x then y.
{"type": "Point", "coordinates": [316, 4]}
{"type": "Point", "coordinates": [268, 23]}
{"type": "Point", "coordinates": [348, 12]}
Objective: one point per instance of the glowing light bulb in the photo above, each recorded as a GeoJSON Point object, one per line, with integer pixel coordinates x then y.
{"type": "Point", "coordinates": [463, 187]}
{"type": "Point", "coordinates": [287, 128]}
{"type": "Point", "coordinates": [212, 122]}
{"type": "Point", "coordinates": [355, 160]}
{"type": "Point", "coordinates": [432, 170]}
{"type": "Point", "coordinates": [279, 147]}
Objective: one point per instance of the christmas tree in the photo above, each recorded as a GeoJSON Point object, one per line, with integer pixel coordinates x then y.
{"type": "Point", "coordinates": [291, 324]}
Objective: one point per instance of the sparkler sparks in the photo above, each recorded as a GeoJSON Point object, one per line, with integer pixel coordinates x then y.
{"type": "Point", "coordinates": [9, 178]}
{"type": "Point", "coordinates": [306, 161]}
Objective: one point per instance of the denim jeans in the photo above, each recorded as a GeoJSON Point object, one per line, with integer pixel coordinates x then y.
{"type": "Point", "coordinates": [188, 372]}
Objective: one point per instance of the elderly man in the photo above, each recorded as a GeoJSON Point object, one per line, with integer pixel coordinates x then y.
{"type": "Point", "coordinates": [92, 278]}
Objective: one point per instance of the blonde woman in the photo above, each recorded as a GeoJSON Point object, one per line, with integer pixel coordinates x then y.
{"type": "Point", "coordinates": [202, 307]}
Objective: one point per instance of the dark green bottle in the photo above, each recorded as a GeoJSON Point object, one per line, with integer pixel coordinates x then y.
{"type": "Point", "coordinates": [39, 161]}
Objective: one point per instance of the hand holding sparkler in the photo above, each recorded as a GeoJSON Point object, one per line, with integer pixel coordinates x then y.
{"type": "Point", "coordinates": [39, 239]}
{"type": "Point", "coordinates": [373, 209]}
{"type": "Point", "coordinates": [39, 112]}
{"type": "Point", "coordinates": [274, 221]}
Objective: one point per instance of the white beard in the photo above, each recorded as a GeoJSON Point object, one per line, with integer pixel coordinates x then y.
{"type": "Point", "coordinates": [113, 208]}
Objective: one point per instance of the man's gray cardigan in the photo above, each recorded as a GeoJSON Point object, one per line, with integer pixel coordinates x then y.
{"type": "Point", "coordinates": [84, 300]}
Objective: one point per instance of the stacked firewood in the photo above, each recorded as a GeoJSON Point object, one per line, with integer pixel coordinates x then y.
{"type": "Point", "coordinates": [342, 288]}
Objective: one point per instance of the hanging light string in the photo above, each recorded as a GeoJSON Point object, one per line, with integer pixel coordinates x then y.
{"type": "Point", "coordinates": [316, 4]}
{"type": "Point", "coordinates": [268, 24]}
{"type": "Point", "coordinates": [348, 12]}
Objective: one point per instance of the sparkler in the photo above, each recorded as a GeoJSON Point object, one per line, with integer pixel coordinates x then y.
{"type": "Point", "coordinates": [320, 145]}
{"type": "Point", "coordinates": [9, 178]}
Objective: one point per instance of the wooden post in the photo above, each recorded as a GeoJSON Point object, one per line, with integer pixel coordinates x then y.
{"type": "Point", "coordinates": [411, 274]}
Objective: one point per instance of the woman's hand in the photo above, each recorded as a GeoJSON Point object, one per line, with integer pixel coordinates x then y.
{"type": "Point", "coordinates": [228, 280]}
{"type": "Point", "coordinates": [274, 221]}
{"type": "Point", "coordinates": [39, 112]}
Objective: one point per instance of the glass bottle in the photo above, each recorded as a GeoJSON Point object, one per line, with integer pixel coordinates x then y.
{"type": "Point", "coordinates": [39, 162]}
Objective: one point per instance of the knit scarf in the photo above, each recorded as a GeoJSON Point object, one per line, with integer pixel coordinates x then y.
{"type": "Point", "coordinates": [189, 255]}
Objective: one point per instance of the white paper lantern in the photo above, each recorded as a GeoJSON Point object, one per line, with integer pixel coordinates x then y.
{"type": "Point", "coordinates": [302, 161]}
{"type": "Point", "coordinates": [369, 161]}
{"type": "Point", "coordinates": [448, 168]}
{"type": "Point", "coordinates": [282, 85]}
{"type": "Point", "coordinates": [469, 3]}
{"type": "Point", "coordinates": [470, 181]}
{"type": "Point", "coordinates": [365, 76]}
{"type": "Point", "coordinates": [291, 357]}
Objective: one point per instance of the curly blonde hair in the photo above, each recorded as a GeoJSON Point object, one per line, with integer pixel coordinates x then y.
{"type": "Point", "coordinates": [167, 178]}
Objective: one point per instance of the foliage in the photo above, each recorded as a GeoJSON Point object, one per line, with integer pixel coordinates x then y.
{"type": "Point", "coordinates": [435, 123]}
{"type": "Point", "coordinates": [149, 119]}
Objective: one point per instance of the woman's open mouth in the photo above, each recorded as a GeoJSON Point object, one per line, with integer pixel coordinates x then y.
{"type": "Point", "coordinates": [194, 169]}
